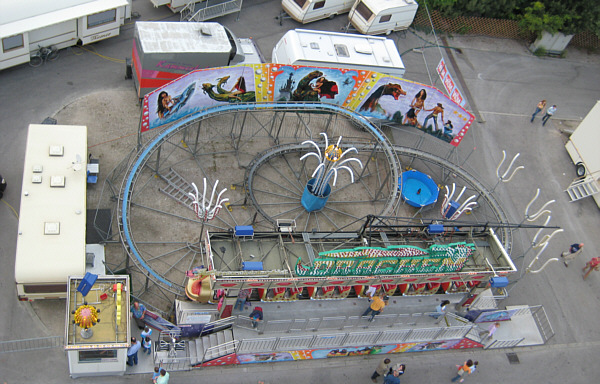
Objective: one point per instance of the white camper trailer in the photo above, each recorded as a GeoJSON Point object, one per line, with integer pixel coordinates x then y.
{"type": "Point", "coordinates": [338, 50]}
{"type": "Point", "coordinates": [375, 17]}
{"type": "Point", "coordinates": [27, 26]}
{"type": "Point", "coordinates": [307, 11]}
{"type": "Point", "coordinates": [583, 149]}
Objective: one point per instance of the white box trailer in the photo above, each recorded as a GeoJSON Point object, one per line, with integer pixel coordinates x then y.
{"type": "Point", "coordinates": [27, 25]}
{"type": "Point", "coordinates": [307, 11]}
{"type": "Point", "coordinates": [338, 50]}
{"type": "Point", "coordinates": [582, 146]}
{"type": "Point", "coordinates": [164, 51]}
{"type": "Point", "coordinates": [375, 17]}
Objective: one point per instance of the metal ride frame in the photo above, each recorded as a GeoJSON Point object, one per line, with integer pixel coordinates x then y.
{"type": "Point", "coordinates": [149, 158]}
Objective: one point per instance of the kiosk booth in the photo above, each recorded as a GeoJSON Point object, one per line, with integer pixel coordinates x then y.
{"type": "Point", "coordinates": [97, 325]}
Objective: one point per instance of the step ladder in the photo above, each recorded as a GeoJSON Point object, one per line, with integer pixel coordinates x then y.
{"type": "Point", "coordinates": [212, 346]}
{"type": "Point", "coordinates": [582, 188]}
{"type": "Point", "coordinates": [177, 188]}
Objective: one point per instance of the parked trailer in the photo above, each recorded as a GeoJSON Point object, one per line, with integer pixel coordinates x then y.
{"type": "Point", "coordinates": [375, 17]}
{"type": "Point", "coordinates": [164, 51]}
{"type": "Point", "coordinates": [27, 26]}
{"type": "Point", "coordinates": [582, 146]}
{"type": "Point", "coordinates": [339, 50]}
{"type": "Point", "coordinates": [307, 11]}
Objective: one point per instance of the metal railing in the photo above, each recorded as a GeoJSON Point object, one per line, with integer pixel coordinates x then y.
{"type": "Point", "coordinates": [333, 340]}
{"type": "Point", "coordinates": [217, 325]}
{"type": "Point", "coordinates": [189, 12]}
{"type": "Point", "coordinates": [220, 350]}
{"type": "Point", "coordinates": [543, 323]}
{"type": "Point", "coordinates": [31, 344]}
{"type": "Point", "coordinates": [503, 343]}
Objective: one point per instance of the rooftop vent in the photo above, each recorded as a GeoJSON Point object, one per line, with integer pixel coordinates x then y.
{"type": "Point", "coordinates": [364, 49]}
{"type": "Point", "coordinates": [56, 150]}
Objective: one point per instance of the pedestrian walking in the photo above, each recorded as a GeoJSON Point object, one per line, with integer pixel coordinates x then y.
{"type": "Point", "coordinates": [592, 265]}
{"type": "Point", "coordinates": [549, 113]}
{"type": "Point", "coordinates": [487, 335]}
{"type": "Point", "coordinates": [573, 251]}
{"type": "Point", "coordinates": [163, 377]}
{"type": "Point", "coordinates": [463, 370]}
{"type": "Point", "coordinates": [392, 378]}
{"type": "Point", "coordinates": [241, 299]}
{"type": "Point", "coordinates": [132, 351]}
{"type": "Point", "coordinates": [138, 311]}
{"type": "Point", "coordinates": [381, 369]}
{"type": "Point", "coordinates": [539, 108]}
{"type": "Point", "coordinates": [440, 310]}
{"type": "Point", "coordinates": [256, 316]}
{"type": "Point", "coordinates": [376, 306]}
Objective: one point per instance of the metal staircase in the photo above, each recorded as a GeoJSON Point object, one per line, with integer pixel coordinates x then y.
{"type": "Point", "coordinates": [582, 188]}
{"type": "Point", "coordinates": [212, 346]}
{"type": "Point", "coordinates": [177, 188]}
{"type": "Point", "coordinates": [209, 9]}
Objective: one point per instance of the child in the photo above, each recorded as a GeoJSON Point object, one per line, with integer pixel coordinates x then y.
{"type": "Point", "coordinates": [147, 344]}
{"type": "Point", "coordinates": [155, 374]}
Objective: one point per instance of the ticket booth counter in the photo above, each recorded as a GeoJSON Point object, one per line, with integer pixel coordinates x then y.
{"type": "Point", "coordinates": [97, 325]}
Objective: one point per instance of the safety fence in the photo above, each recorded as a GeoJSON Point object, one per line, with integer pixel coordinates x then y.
{"type": "Point", "coordinates": [334, 340]}
{"type": "Point", "coordinates": [31, 344]}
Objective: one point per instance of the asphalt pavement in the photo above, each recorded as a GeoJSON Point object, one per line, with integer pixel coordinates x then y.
{"type": "Point", "coordinates": [504, 81]}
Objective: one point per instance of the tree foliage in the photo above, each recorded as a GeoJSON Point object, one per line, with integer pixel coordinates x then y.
{"type": "Point", "coordinates": [567, 16]}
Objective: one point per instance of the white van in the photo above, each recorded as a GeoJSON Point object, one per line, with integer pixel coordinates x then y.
{"type": "Point", "coordinates": [375, 17]}
{"type": "Point", "coordinates": [338, 50]}
{"type": "Point", "coordinates": [307, 11]}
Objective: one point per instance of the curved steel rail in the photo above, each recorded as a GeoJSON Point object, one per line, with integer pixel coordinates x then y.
{"type": "Point", "coordinates": [148, 149]}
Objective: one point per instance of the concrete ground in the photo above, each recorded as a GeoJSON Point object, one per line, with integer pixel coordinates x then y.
{"type": "Point", "coordinates": [504, 82]}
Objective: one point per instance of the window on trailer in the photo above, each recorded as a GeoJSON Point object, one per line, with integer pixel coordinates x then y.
{"type": "Point", "coordinates": [12, 42]}
{"type": "Point", "coordinates": [364, 11]}
{"type": "Point", "coordinates": [319, 4]}
{"type": "Point", "coordinates": [341, 50]}
{"type": "Point", "coordinates": [44, 288]}
{"type": "Point", "coordinates": [301, 3]}
{"type": "Point", "coordinates": [101, 18]}
{"type": "Point", "coordinates": [385, 18]}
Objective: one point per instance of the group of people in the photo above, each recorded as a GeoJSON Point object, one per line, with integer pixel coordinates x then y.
{"type": "Point", "coordinates": [391, 374]}
{"type": "Point", "coordinates": [145, 343]}
{"type": "Point", "coordinates": [549, 112]}
{"type": "Point", "coordinates": [574, 250]}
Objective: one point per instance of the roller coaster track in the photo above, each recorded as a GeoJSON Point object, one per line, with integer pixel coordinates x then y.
{"type": "Point", "coordinates": [147, 150]}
